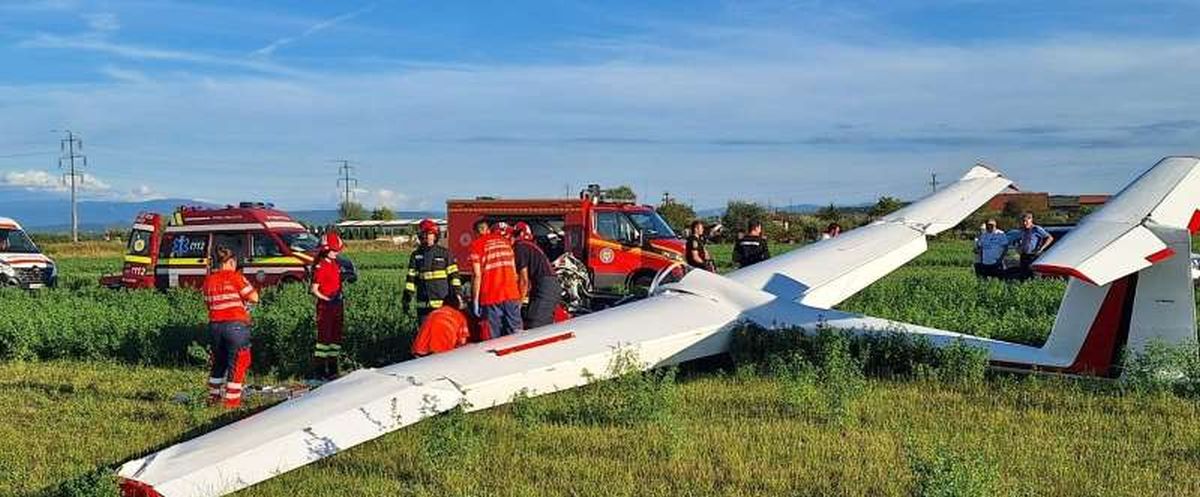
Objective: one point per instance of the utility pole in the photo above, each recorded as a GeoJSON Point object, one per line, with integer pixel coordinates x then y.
{"type": "Point", "coordinates": [346, 182]}
{"type": "Point", "coordinates": [933, 182]}
{"type": "Point", "coordinates": [71, 161]}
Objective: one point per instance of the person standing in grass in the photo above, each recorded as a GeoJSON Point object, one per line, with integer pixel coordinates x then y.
{"type": "Point", "coordinates": [696, 251]}
{"type": "Point", "coordinates": [327, 288]}
{"type": "Point", "coordinates": [497, 299]}
{"type": "Point", "coordinates": [227, 294]}
{"type": "Point", "coordinates": [990, 247]}
{"type": "Point", "coordinates": [1031, 241]}
{"type": "Point", "coordinates": [751, 248]}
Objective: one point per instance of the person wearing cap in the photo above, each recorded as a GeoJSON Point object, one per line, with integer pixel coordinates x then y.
{"type": "Point", "coordinates": [990, 248]}
{"type": "Point", "coordinates": [327, 288]}
{"type": "Point", "coordinates": [227, 294]}
{"type": "Point", "coordinates": [432, 274]}
{"type": "Point", "coordinates": [539, 286]}
{"type": "Point", "coordinates": [497, 299]}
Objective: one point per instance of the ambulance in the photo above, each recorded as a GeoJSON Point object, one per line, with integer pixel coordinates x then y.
{"type": "Point", "coordinates": [177, 250]}
{"type": "Point", "coordinates": [622, 244]}
{"type": "Point", "coordinates": [22, 264]}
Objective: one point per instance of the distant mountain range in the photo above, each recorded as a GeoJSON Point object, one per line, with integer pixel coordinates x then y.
{"type": "Point", "coordinates": [53, 215]}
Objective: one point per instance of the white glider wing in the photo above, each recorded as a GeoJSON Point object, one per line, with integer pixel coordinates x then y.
{"type": "Point", "coordinates": [1126, 236]}
{"type": "Point", "coordinates": [824, 274]}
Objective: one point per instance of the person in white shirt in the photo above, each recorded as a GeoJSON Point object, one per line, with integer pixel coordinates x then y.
{"type": "Point", "coordinates": [990, 247]}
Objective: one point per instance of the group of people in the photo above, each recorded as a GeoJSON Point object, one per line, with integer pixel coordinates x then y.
{"type": "Point", "coordinates": [515, 288]}
{"type": "Point", "coordinates": [750, 247]}
{"type": "Point", "coordinates": [992, 244]}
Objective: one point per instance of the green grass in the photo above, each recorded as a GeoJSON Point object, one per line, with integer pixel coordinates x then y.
{"type": "Point", "coordinates": [726, 436]}
{"type": "Point", "coordinates": [720, 433]}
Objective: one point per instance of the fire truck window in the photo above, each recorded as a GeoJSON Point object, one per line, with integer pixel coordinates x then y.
{"type": "Point", "coordinates": [234, 242]}
{"type": "Point", "coordinates": [265, 246]}
{"type": "Point", "coordinates": [184, 246]}
{"type": "Point", "coordinates": [615, 226]}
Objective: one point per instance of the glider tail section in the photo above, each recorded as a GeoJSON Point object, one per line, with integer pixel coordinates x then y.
{"type": "Point", "coordinates": [1130, 273]}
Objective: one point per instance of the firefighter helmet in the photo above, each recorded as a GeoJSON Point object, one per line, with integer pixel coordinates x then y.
{"type": "Point", "coordinates": [427, 226]}
{"type": "Point", "coordinates": [332, 241]}
{"type": "Point", "coordinates": [503, 229]}
{"type": "Point", "coordinates": [522, 231]}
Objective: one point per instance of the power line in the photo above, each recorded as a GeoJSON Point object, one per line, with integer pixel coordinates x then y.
{"type": "Point", "coordinates": [72, 160]}
{"type": "Point", "coordinates": [346, 182]}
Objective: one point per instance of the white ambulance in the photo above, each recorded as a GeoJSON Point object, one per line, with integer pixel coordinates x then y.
{"type": "Point", "coordinates": [22, 264]}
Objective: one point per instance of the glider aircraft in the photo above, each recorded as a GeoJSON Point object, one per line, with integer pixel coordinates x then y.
{"type": "Point", "coordinates": [1129, 284]}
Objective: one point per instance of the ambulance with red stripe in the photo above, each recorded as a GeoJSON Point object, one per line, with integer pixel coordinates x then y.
{"type": "Point", "coordinates": [623, 244]}
{"type": "Point", "coordinates": [22, 264]}
{"type": "Point", "coordinates": [177, 250]}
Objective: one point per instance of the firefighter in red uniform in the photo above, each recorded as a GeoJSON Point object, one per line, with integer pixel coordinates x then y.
{"type": "Point", "coordinates": [327, 288]}
{"type": "Point", "coordinates": [227, 293]}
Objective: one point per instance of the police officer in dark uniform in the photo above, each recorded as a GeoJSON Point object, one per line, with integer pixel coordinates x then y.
{"type": "Point", "coordinates": [752, 247]}
{"type": "Point", "coordinates": [432, 274]}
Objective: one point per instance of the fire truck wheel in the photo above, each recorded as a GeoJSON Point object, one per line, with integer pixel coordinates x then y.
{"type": "Point", "coordinates": [639, 283]}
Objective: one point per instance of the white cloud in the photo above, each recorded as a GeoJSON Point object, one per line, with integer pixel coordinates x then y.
{"type": "Point", "coordinates": [125, 75]}
{"type": "Point", "coordinates": [270, 48]}
{"type": "Point", "coordinates": [35, 180]}
{"type": "Point", "coordinates": [92, 43]}
{"type": "Point", "coordinates": [103, 22]}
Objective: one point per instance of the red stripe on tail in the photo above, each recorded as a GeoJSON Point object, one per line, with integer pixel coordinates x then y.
{"type": "Point", "coordinates": [1194, 224]}
{"type": "Point", "coordinates": [1108, 332]}
{"type": "Point", "coordinates": [1061, 271]}
{"type": "Point", "coordinates": [1160, 256]}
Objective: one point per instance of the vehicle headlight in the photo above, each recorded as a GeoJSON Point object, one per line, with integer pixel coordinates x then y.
{"type": "Point", "coordinates": [675, 256]}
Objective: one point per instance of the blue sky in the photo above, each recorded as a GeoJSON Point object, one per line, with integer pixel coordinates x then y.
{"type": "Point", "coordinates": [773, 101]}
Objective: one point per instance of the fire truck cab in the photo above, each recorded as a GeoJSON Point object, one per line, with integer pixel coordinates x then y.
{"type": "Point", "coordinates": [166, 252]}
{"type": "Point", "coordinates": [22, 264]}
{"type": "Point", "coordinates": [623, 244]}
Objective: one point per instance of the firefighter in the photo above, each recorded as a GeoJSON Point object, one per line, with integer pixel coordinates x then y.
{"type": "Point", "coordinates": [751, 248]}
{"type": "Point", "coordinates": [432, 274]}
{"type": "Point", "coordinates": [327, 288]}
{"type": "Point", "coordinates": [496, 296]}
{"type": "Point", "coordinates": [539, 286]}
{"type": "Point", "coordinates": [227, 294]}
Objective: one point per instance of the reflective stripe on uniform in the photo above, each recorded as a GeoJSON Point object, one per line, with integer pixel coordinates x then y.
{"type": "Point", "coordinates": [432, 304]}
{"type": "Point", "coordinates": [434, 275]}
{"type": "Point", "coordinates": [453, 268]}
{"type": "Point", "coordinates": [410, 287]}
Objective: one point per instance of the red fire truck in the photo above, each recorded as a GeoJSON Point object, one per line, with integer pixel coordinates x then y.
{"type": "Point", "coordinates": [622, 244]}
{"type": "Point", "coordinates": [165, 252]}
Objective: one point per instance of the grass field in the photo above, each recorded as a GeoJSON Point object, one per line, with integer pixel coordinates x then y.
{"type": "Point", "coordinates": [715, 430]}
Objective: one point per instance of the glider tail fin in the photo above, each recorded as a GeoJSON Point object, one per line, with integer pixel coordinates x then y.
{"type": "Point", "coordinates": [1131, 278]}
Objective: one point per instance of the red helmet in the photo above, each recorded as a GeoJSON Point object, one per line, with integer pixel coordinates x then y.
{"type": "Point", "coordinates": [522, 231]}
{"type": "Point", "coordinates": [503, 229]}
{"type": "Point", "coordinates": [332, 241]}
{"type": "Point", "coordinates": [428, 226]}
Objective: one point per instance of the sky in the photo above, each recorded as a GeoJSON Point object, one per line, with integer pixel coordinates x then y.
{"type": "Point", "coordinates": [780, 102]}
